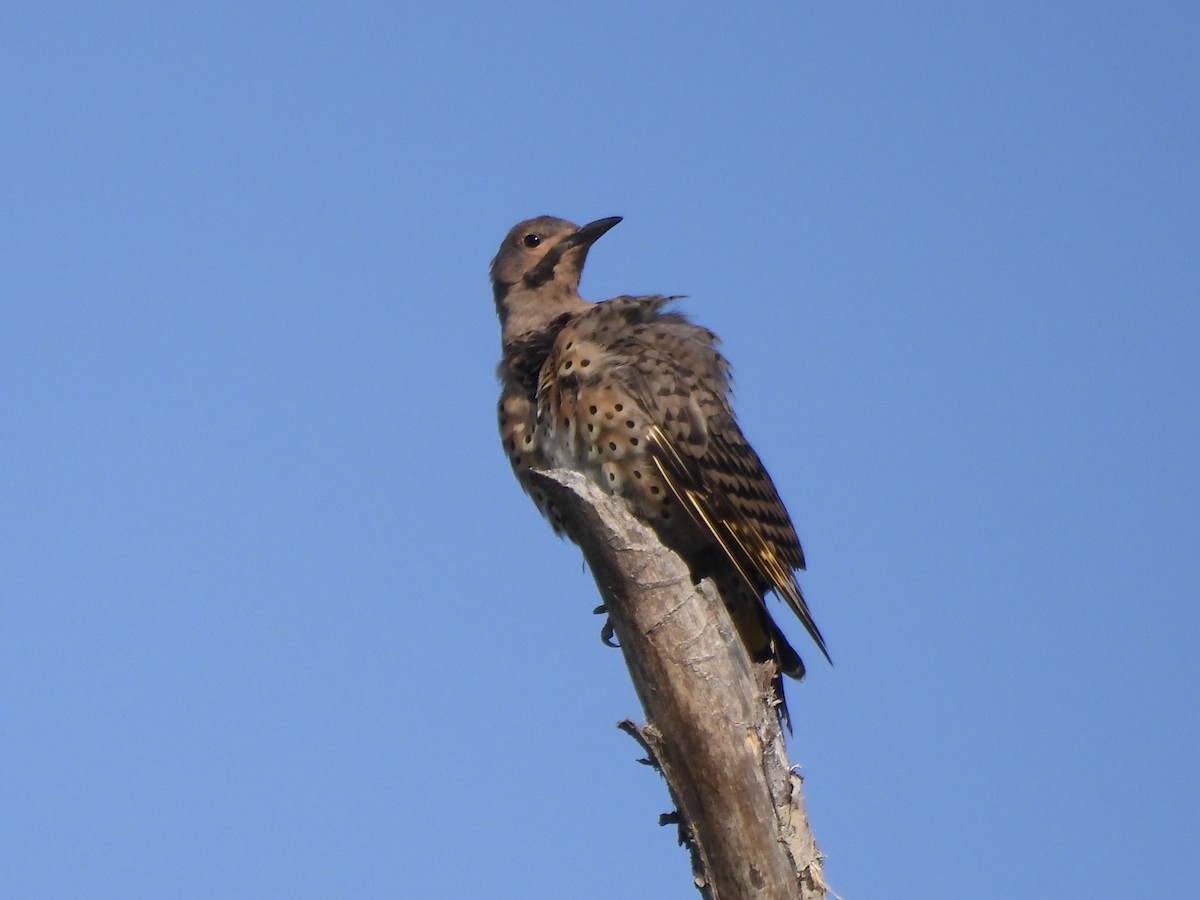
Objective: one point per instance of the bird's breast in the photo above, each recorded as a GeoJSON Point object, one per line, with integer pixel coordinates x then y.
{"type": "Point", "coordinates": [596, 426]}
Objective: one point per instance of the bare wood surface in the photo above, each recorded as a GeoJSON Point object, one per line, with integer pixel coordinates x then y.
{"type": "Point", "coordinates": [711, 728]}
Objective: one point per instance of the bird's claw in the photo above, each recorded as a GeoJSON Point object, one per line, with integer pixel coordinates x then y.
{"type": "Point", "coordinates": [606, 633]}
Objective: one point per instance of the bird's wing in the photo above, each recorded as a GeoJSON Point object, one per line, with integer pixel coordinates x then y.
{"type": "Point", "coordinates": [738, 522]}
{"type": "Point", "coordinates": [707, 463]}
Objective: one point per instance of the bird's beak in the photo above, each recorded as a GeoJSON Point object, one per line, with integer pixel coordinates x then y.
{"type": "Point", "coordinates": [584, 237]}
{"type": "Point", "coordinates": [589, 233]}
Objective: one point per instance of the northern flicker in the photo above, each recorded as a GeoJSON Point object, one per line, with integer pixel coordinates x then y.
{"type": "Point", "coordinates": [636, 397]}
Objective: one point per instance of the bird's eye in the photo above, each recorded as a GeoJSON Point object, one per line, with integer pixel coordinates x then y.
{"type": "Point", "coordinates": [532, 240]}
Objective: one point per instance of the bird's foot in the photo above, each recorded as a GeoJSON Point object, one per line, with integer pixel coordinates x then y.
{"type": "Point", "coordinates": [606, 633]}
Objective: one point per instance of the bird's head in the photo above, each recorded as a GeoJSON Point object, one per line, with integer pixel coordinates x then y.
{"type": "Point", "coordinates": [538, 267]}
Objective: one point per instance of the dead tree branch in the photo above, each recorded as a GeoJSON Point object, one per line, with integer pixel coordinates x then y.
{"type": "Point", "coordinates": [711, 728]}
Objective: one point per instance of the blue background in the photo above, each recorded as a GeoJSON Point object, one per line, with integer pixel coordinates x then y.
{"type": "Point", "coordinates": [275, 619]}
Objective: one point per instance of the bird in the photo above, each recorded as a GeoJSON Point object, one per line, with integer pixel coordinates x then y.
{"type": "Point", "coordinates": [632, 394]}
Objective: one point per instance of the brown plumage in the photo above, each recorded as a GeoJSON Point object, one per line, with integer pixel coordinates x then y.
{"type": "Point", "coordinates": [638, 398]}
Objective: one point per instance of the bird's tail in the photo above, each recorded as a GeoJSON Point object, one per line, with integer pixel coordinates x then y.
{"type": "Point", "coordinates": [762, 638]}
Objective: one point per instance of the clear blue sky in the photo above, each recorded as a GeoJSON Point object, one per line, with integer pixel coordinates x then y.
{"type": "Point", "coordinates": [275, 620]}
